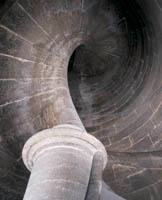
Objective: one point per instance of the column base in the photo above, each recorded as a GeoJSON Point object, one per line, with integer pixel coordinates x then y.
{"type": "Point", "coordinates": [59, 136]}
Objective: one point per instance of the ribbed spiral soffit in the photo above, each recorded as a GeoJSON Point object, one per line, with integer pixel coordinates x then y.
{"type": "Point", "coordinates": [114, 53]}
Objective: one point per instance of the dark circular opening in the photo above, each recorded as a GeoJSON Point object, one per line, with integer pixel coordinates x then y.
{"type": "Point", "coordinates": [2, 3]}
{"type": "Point", "coordinates": [112, 70]}
{"type": "Point", "coordinates": [71, 62]}
{"type": "Point", "coordinates": [86, 62]}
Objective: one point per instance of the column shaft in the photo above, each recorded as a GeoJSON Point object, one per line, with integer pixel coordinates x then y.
{"type": "Point", "coordinates": [61, 173]}
{"type": "Point", "coordinates": [65, 163]}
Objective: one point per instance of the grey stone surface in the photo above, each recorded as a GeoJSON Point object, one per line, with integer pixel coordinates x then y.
{"type": "Point", "coordinates": [115, 84]}
{"type": "Point", "coordinates": [108, 194]}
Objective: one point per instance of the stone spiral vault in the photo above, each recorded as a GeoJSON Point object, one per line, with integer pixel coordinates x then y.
{"type": "Point", "coordinates": [106, 54]}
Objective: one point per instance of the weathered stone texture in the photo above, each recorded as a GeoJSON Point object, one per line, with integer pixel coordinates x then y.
{"type": "Point", "coordinates": [115, 84]}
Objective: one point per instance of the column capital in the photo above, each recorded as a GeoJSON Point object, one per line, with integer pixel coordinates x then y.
{"type": "Point", "coordinates": [61, 136]}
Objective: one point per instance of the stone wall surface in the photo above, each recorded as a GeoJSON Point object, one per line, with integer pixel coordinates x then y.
{"type": "Point", "coordinates": [115, 84]}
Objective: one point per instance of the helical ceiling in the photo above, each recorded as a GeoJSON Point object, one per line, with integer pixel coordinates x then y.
{"type": "Point", "coordinates": [112, 53]}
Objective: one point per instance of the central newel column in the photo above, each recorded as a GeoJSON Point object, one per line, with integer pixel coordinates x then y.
{"type": "Point", "coordinates": [64, 164]}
